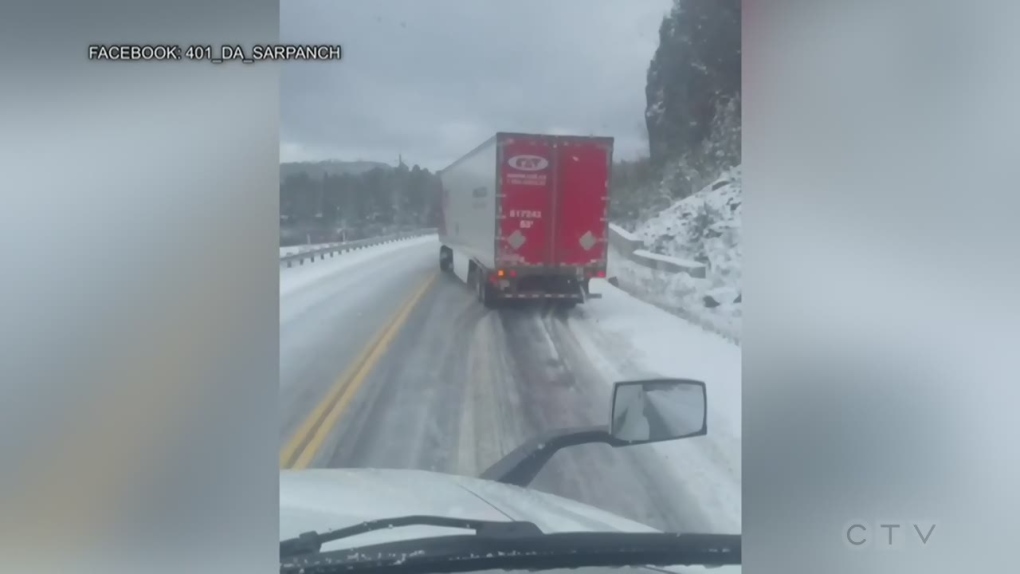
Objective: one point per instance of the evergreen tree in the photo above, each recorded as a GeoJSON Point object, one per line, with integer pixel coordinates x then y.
{"type": "Point", "coordinates": [318, 204]}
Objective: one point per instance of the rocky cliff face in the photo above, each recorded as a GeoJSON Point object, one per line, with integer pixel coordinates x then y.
{"type": "Point", "coordinates": [694, 78]}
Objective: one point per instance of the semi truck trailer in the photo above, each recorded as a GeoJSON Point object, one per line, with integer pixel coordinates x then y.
{"type": "Point", "coordinates": [526, 216]}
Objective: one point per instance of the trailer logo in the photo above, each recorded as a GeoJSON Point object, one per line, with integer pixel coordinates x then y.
{"type": "Point", "coordinates": [528, 162]}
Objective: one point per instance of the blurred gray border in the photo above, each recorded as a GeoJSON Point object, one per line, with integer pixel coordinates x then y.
{"type": "Point", "coordinates": [139, 228]}
{"type": "Point", "coordinates": [879, 143]}
{"type": "Point", "coordinates": [880, 323]}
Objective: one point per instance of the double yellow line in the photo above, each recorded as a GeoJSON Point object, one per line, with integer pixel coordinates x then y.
{"type": "Point", "coordinates": [302, 448]}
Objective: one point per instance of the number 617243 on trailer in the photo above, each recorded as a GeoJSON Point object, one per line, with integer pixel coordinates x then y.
{"type": "Point", "coordinates": [526, 216]}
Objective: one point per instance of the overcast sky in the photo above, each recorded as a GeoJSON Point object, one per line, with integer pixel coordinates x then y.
{"type": "Point", "coordinates": [433, 79]}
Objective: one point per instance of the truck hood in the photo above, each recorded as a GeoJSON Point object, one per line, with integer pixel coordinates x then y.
{"type": "Point", "coordinates": [327, 499]}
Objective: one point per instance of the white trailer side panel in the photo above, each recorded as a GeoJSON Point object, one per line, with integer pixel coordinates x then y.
{"type": "Point", "coordinates": [469, 204]}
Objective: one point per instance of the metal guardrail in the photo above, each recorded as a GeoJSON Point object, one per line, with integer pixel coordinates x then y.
{"type": "Point", "coordinates": [622, 241]}
{"type": "Point", "coordinates": [633, 249]}
{"type": "Point", "coordinates": [334, 249]}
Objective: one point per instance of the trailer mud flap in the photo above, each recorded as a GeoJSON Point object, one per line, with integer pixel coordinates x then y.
{"type": "Point", "coordinates": [586, 295]}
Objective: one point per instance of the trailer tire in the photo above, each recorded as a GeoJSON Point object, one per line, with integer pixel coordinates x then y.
{"type": "Point", "coordinates": [489, 299]}
{"type": "Point", "coordinates": [484, 293]}
{"type": "Point", "coordinates": [480, 290]}
{"type": "Point", "coordinates": [445, 259]}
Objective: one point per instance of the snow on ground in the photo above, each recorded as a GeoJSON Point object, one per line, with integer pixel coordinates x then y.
{"type": "Point", "coordinates": [294, 278]}
{"type": "Point", "coordinates": [629, 339]}
{"type": "Point", "coordinates": [704, 227]}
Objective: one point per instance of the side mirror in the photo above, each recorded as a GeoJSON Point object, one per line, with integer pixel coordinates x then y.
{"type": "Point", "coordinates": [658, 410]}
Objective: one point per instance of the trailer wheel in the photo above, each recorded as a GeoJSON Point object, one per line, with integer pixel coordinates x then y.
{"type": "Point", "coordinates": [489, 297]}
{"type": "Point", "coordinates": [445, 259]}
{"type": "Point", "coordinates": [484, 292]}
{"type": "Point", "coordinates": [479, 288]}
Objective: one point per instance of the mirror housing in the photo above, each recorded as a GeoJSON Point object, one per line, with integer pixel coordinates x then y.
{"type": "Point", "coordinates": [657, 410]}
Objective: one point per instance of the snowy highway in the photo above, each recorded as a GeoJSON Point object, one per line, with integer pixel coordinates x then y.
{"type": "Point", "coordinates": [386, 363]}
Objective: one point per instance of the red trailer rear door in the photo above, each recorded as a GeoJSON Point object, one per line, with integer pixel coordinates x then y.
{"type": "Point", "coordinates": [582, 194]}
{"type": "Point", "coordinates": [526, 208]}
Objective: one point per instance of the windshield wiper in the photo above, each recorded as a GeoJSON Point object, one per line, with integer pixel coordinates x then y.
{"type": "Point", "coordinates": [465, 553]}
{"type": "Point", "coordinates": [311, 542]}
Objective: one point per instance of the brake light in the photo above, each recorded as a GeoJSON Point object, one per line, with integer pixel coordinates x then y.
{"type": "Point", "coordinates": [601, 274]}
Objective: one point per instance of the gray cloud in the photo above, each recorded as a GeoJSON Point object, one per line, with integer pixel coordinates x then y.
{"type": "Point", "coordinates": [431, 80]}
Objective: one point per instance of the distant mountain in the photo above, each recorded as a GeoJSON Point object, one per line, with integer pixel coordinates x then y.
{"type": "Point", "coordinates": [317, 169]}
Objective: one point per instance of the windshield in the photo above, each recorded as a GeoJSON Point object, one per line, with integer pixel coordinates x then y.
{"type": "Point", "coordinates": [489, 214]}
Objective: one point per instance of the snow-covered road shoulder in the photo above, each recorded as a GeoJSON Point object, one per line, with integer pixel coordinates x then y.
{"type": "Point", "coordinates": [629, 339]}
{"type": "Point", "coordinates": [293, 279]}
